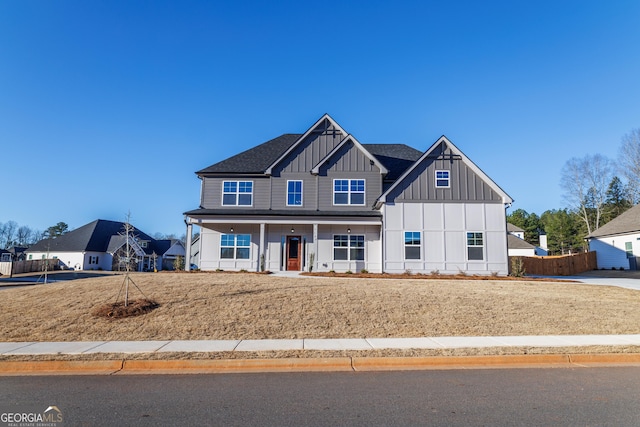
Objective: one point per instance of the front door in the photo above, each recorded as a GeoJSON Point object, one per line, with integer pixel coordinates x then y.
{"type": "Point", "coordinates": [293, 253]}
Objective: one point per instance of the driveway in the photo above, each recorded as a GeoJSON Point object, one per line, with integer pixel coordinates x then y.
{"type": "Point", "coordinates": [624, 279]}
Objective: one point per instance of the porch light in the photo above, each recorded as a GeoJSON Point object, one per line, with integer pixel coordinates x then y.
{"type": "Point", "coordinates": [349, 230]}
{"type": "Point", "coordinates": [232, 229]}
{"type": "Point", "coordinates": [293, 229]}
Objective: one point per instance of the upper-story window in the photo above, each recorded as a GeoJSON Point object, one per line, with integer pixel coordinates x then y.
{"type": "Point", "coordinates": [294, 193]}
{"type": "Point", "coordinates": [237, 193]}
{"type": "Point", "coordinates": [348, 192]}
{"type": "Point", "coordinates": [442, 179]}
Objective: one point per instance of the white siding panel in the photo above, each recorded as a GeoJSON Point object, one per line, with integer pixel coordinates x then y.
{"type": "Point", "coordinates": [454, 217]}
{"type": "Point", "coordinates": [474, 214]}
{"type": "Point", "coordinates": [393, 216]}
{"type": "Point", "coordinates": [433, 216]}
{"type": "Point", "coordinates": [412, 217]}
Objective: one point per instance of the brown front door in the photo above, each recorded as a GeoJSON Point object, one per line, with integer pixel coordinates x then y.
{"type": "Point", "coordinates": [293, 253]}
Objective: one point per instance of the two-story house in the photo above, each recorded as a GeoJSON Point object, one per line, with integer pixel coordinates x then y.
{"type": "Point", "coordinates": [323, 201]}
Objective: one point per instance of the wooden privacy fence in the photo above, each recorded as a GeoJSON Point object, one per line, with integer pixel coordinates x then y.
{"type": "Point", "coordinates": [33, 266]}
{"type": "Point", "coordinates": [564, 265]}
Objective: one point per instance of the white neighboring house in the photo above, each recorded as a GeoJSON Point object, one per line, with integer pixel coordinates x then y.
{"type": "Point", "coordinates": [520, 247]}
{"type": "Point", "coordinates": [321, 200]}
{"type": "Point", "coordinates": [95, 246]}
{"type": "Point", "coordinates": [617, 243]}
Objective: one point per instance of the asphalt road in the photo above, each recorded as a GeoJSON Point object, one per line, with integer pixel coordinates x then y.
{"type": "Point", "coordinates": [491, 397]}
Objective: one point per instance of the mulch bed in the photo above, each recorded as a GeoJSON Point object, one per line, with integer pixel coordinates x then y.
{"type": "Point", "coordinates": [118, 310]}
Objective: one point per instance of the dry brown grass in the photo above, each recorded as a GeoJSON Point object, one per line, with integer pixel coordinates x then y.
{"type": "Point", "coordinates": [251, 306]}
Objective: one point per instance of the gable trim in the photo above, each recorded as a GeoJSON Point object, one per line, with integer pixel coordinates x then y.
{"type": "Point", "coordinates": [269, 170]}
{"type": "Point", "coordinates": [506, 199]}
{"type": "Point", "coordinates": [316, 168]}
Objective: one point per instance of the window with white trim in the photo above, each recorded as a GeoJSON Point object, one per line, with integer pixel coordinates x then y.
{"type": "Point", "coordinates": [237, 193]}
{"type": "Point", "coordinates": [294, 193]}
{"type": "Point", "coordinates": [235, 246]}
{"type": "Point", "coordinates": [411, 245]}
{"type": "Point", "coordinates": [348, 192]}
{"type": "Point", "coordinates": [348, 247]}
{"type": "Point", "coordinates": [628, 248]}
{"type": "Point", "coordinates": [475, 246]}
{"type": "Point", "coordinates": [443, 179]}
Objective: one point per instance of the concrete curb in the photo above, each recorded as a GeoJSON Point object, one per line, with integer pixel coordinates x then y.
{"type": "Point", "coordinates": [337, 364]}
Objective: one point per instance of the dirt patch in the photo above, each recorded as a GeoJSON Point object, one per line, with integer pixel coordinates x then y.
{"type": "Point", "coordinates": [119, 310]}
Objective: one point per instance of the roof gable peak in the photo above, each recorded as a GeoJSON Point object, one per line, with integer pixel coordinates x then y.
{"type": "Point", "coordinates": [315, 128]}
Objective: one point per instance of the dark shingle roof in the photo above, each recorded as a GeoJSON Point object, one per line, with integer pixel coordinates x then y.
{"type": "Point", "coordinates": [256, 159]}
{"type": "Point", "coordinates": [628, 222]}
{"type": "Point", "coordinates": [94, 237]}
{"type": "Point", "coordinates": [395, 157]}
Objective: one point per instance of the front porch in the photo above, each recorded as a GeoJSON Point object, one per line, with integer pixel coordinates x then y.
{"type": "Point", "coordinates": [289, 244]}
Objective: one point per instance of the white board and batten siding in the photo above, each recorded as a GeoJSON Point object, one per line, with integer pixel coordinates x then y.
{"type": "Point", "coordinates": [443, 228]}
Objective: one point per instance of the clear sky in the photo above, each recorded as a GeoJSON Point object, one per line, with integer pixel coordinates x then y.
{"type": "Point", "coordinates": [111, 106]}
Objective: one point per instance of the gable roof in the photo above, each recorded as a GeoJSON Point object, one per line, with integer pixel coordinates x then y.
{"type": "Point", "coordinates": [93, 237]}
{"type": "Point", "coordinates": [514, 242]}
{"type": "Point", "coordinates": [256, 159]}
{"type": "Point", "coordinates": [443, 139]}
{"type": "Point", "coordinates": [302, 137]}
{"type": "Point", "coordinates": [345, 141]}
{"type": "Point", "coordinates": [627, 222]}
{"type": "Point", "coordinates": [513, 228]}
{"type": "Point", "coordinates": [394, 158]}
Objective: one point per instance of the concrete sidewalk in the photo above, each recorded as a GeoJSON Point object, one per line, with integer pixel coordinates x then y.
{"type": "Point", "coordinates": [212, 346]}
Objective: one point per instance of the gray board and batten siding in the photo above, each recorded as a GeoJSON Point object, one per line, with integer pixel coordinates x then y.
{"type": "Point", "coordinates": [465, 184]}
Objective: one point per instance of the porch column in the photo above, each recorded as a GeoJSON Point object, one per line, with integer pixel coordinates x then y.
{"type": "Point", "coordinates": [261, 254]}
{"type": "Point", "coordinates": [315, 245]}
{"type": "Point", "coordinates": [187, 255]}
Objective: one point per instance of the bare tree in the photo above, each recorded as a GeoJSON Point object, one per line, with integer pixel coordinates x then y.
{"type": "Point", "coordinates": [23, 236]}
{"type": "Point", "coordinates": [8, 234]}
{"type": "Point", "coordinates": [585, 182]}
{"type": "Point", "coordinates": [629, 162]}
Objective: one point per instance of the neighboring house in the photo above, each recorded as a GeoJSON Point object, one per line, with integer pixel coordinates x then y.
{"type": "Point", "coordinates": [17, 253]}
{"type": "Point", "coordinates": [101, 245]}
{"type": "Point", "coordinates": [323, 201]}
{"type": "Point", "coordinates": [520, 247]}
{"type": "Point", "coordinates": [617, 243]}
{"type": "Point", "coordinates": [5, 255]}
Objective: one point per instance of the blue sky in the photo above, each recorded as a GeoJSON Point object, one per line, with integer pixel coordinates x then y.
{"type": "Point", "coordinates": [111, 106]}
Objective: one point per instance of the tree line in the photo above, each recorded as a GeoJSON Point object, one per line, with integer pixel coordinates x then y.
{"type": "Point", "coordinates": [596, 190]}
{"type": "Point", "coordinates": [12, 234]}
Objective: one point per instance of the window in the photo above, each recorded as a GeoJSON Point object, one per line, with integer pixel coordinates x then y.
{"type": "Point", "coordinates": [412, 245]}
{"type": "Point", "coordinates": [235, 246]}
{"type": "Point", "coordinates": [5, 257]}
{"type": "Point", "coordinates": [442, 179]}
{"type": "Point", "coordinates": [475, 246]}
{"type": "Point", "coordinates": [348, 191]}
{"type": "Point", "coordinates": [294, 193]}
{"type": "Point", "coordinates": [237, 193]}
{"type": "Point", "coordinates": [93, 259]}
{"type": "Point", "coordinates": [143, 244]}
{"type": "Point", "coordinates": [628, 248]}
{"type": "Point", "coordinates": [348, 248]}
